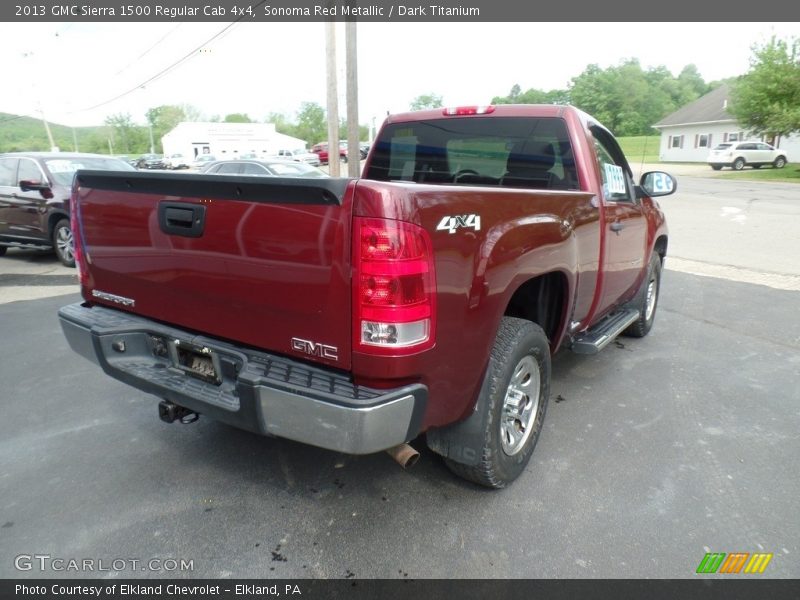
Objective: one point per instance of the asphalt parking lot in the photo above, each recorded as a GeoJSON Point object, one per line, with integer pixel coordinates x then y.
{"type": "Point", "coordinates": [654, 452]}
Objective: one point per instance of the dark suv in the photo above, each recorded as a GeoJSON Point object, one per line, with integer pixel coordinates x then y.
{"type": "Point", "coordinates": [34, 198]}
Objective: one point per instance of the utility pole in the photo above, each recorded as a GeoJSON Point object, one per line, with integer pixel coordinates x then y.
{"type": "Point", "coordinates": [152, 145]}
{"type": "Point", "coordinates": [333, 109]}
{"type": "Point", "coordinates": [351, 60]}
{"type": "Point", "coordinates": [75, 139]}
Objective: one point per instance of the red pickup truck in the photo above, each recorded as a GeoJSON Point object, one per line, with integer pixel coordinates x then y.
{"type": "Point", "coordinates": [356, 314]}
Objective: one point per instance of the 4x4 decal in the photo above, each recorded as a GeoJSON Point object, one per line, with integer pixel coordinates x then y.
{"type": "Point", "coordinates": [452, 223]}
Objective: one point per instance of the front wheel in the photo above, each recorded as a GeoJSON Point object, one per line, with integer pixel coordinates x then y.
{"type": "Point", "coordinates": [646, 299]}
{"type": "Point", "coordinates": [63, 243]}
{"type": "Point", "coordinates": [779, 163]}
{"type": "Point", "coordinates": [519, 386]}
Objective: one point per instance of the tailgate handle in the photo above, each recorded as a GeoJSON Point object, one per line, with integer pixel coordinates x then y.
{"type": "Point", "coordinates": [181, 218]}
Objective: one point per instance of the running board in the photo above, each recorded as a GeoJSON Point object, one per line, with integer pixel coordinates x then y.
{"type": "Point", "coordinates": [602, 334]}
{"type": "Point", "coordinates": [26, 246]}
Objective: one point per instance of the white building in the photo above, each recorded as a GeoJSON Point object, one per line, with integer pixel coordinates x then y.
{"type": "Point", "coordinates": [227, 140]}
{"type": "Point", "coordinates": [690, 132]}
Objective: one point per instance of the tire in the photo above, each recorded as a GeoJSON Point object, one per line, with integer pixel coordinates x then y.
{"type": "Point", "coordinates": [716, 167]}
{"type": "Point", "coordinates": [779, 163]}
{"type": "Point", "coordinates": [3, 250]}
{"type": "Point", "coordinates": [756, 166]}
{"type": "Point", "coordinates": [738, 164]}
{"type": "Point", "coordinates": [63, 243]}
{"type": "Point", "coordinates": [519, 369]}
{"type": "Point", "coordinates": [646, 300]}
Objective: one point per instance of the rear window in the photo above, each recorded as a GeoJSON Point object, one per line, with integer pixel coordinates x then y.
{"type": "Point", "coordinates": [496, 151]}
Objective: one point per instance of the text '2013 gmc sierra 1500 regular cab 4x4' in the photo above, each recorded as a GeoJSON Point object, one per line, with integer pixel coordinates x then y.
{"type": "Point", "coordinates": [356, 314]}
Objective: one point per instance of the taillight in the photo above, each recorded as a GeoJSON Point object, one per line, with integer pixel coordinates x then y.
{"type": "Point", "coordinates": [468, 110]}
{"type": "Point", "coordinates": [77, 239]}
{"type": "Point", "coordinates": [394, 287]}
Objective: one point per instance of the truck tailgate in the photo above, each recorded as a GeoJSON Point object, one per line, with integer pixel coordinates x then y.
{"type": "Point", "coordinates": [259, 261]}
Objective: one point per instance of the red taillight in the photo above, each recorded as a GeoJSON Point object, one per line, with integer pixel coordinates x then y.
{"type": "Point", "coordinates": [468, 110]}
{"type": "Point", "coordinates": [394, 287]}
{"type": "Point", "coordinates": [77, 239]}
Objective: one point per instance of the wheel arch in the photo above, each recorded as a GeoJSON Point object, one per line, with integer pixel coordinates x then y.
{"type": "Point", "coordinates": [543, 300]}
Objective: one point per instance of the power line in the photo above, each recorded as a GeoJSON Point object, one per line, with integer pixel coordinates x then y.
{"type": "Point", "coordinates": [166, 70]}
{"type": "Point", "coordinates": [146, 52]}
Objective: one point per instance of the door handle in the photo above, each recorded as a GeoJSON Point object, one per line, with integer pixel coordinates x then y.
{"type": "Point", "coordinates": [182, 218]}
{"type": "Point", "coordinates": [616, 227]}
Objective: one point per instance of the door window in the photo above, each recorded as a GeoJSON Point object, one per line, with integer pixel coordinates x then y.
{"type": "Point", "coordinates": [30, 171]}
{"type": "Point", "coordinates": [613, 168]}
{"type": "Point", "coordinates": [8, 172]}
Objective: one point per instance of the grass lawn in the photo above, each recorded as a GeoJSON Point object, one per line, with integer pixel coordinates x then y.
{"type": "Point", "coordinates": [788, 174]}
{"type": "Point", "coordinates": [640, 148]}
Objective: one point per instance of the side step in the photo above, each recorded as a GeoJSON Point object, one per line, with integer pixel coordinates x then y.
{"type": "Point", "coordinates": [602, 334]}
{"type": "Point", "coordinates": [26, 246]}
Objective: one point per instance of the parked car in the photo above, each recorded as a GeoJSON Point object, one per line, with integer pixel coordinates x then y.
{"type": "Point", "coordinates": [321, 150]}
{"type": "Point", "coordinates": [177, 161]}
{"type": "Point", "coordinates": [150, 161]}
{"type": "Point", "coordinates": [203, 160]}
{"type": "Point", "coordinates": [34, 198]}
{"type": "Point", "coordinates": [300, 155]}
{"type": "Point", "coordinates": [265, 168]}
{"type": "Point", "coordinates": [738, 155]}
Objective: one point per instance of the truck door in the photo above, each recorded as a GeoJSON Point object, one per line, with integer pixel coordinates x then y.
{"type": "Point", "coordinates": [625, 224]}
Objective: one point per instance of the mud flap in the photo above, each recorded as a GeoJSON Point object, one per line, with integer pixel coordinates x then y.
{"type": "Point", "coordinates": [463, 442]}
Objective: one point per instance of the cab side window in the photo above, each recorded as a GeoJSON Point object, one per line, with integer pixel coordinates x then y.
{"type": "Point", "coordinates": [614, 169]}
{"type": "Point", "coordinates": [615, 184]}
{"type": "Point", "coordinates": [30, 171]}
{"type": "Point", "coordinates": [8, 172]}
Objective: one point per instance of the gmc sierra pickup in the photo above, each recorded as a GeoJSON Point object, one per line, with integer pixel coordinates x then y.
{"type": "Point", "coordinates": [356, 314]}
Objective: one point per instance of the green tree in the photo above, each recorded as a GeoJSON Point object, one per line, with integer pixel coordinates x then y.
{"type": "Point", "coordinates": [237, 118]}
{"type": "Point", "coordinates": [766, 99]}
{"type": "Point", "coordinates": [426, 101]}
{"type": "Point", "coordinates": [532, 96]}
{"type": "Point", "coordinates": [126, 136]}
{"type": "Point", "coordinates": [166, 117]}
{"type": "Point", "coordinates": [625, 98]}
{"type": "Point", "coordinates": [312, 125]}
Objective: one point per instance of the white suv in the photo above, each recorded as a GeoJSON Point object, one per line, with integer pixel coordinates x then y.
{"type": "Point", "coordinates": [737, 155]}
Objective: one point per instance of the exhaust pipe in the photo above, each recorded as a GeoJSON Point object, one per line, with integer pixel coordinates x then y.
{"type": "Point", "coordinates": [404, 454]}
{"type": "Point", "coordinates": [170, 412]}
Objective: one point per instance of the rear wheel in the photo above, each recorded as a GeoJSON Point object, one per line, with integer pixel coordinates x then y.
{"type": "Point", "coordinates": [779, 163]}
{"type": "Point", "coordinates": [519, 386]}
{"type": "Point", "coordinates": [738, 164]}
{"type": "Point", "coordinates": [63, 243]}
{"type": "Point", "coordinates": [716, 167]}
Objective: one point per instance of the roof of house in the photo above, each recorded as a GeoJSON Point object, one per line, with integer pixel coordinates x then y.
{"type": "Point", "coordinates": [708, 108]}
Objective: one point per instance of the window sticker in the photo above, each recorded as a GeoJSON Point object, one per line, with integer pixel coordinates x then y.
{"type": "Point", "coordinates": [615, 179]}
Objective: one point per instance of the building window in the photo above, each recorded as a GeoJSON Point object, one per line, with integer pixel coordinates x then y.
{"type": "Point", "coordinates": [703, 140]}
{"type": "Point", "coordinates": [676, 141]}
{"type": "Point", "coordinates": [735, 136]}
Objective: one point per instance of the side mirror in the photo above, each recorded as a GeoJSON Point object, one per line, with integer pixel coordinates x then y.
{"type": "Point", "coordinates": [656, 183]}
{"type": "Point", "coordinates": [29, 185]}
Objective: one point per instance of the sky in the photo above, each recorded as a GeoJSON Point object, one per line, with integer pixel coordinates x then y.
{"type": "Point", "coordinates": [80, 73]}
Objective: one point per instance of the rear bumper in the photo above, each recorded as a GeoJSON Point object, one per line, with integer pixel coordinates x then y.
{"type": "Point", "coordinates": [256, 391]}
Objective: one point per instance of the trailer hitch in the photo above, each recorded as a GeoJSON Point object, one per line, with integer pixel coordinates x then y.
{"type": "Point", "coordinates": [169, 412]}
